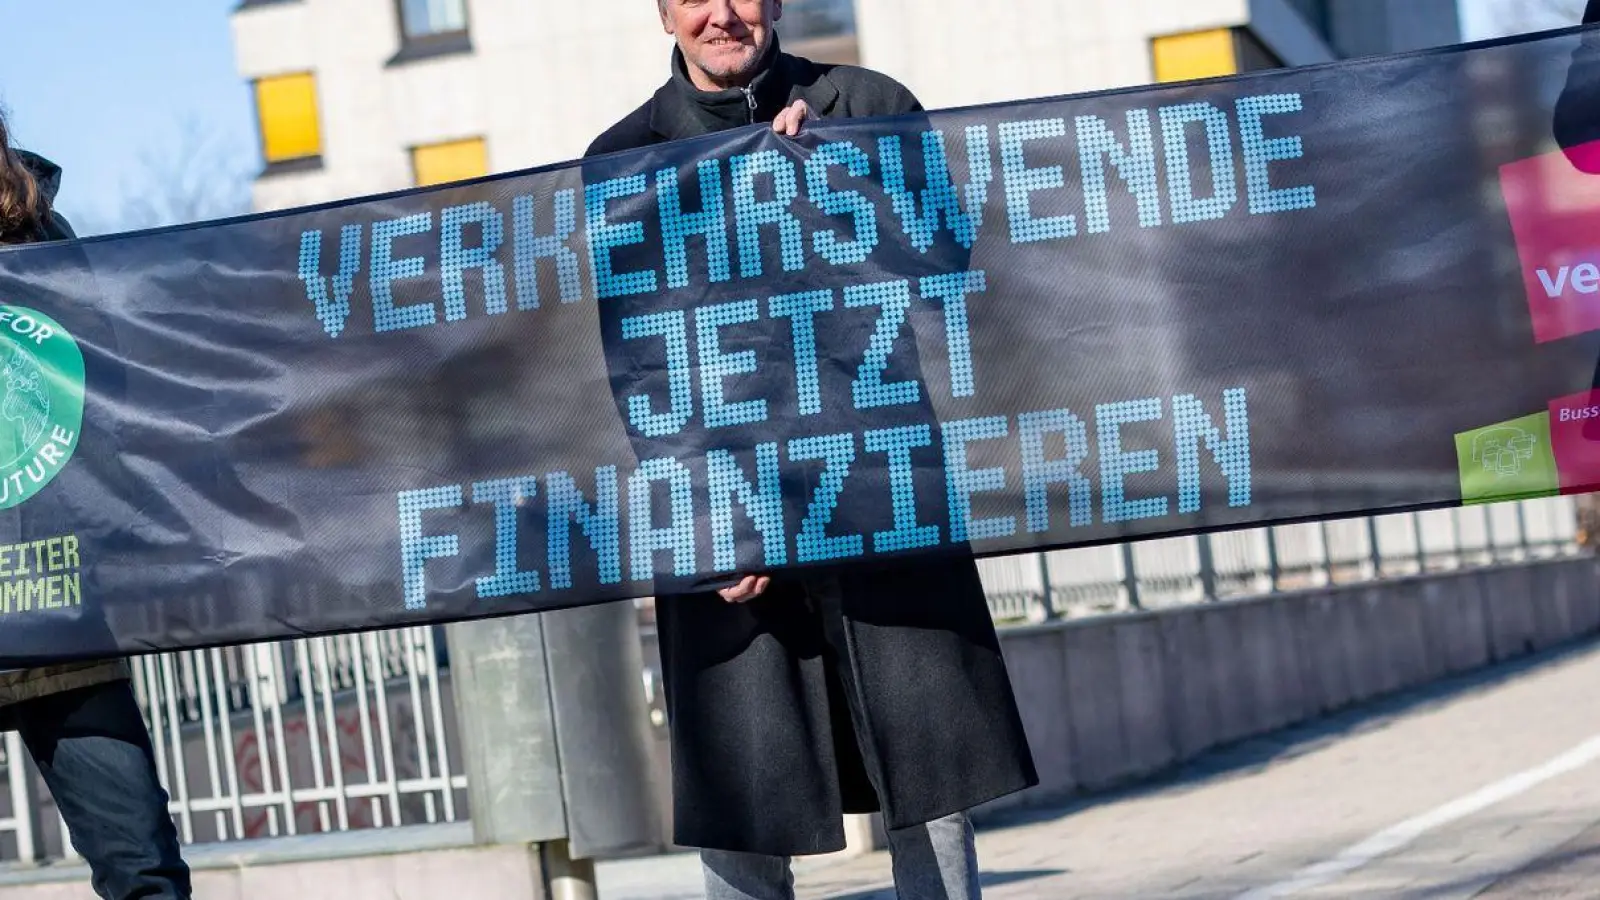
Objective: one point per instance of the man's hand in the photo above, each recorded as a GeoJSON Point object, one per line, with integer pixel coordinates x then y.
{"type": "Point", "coordinates": [748, 588]}
{"type": "Point", "coordinates": [788, 122]}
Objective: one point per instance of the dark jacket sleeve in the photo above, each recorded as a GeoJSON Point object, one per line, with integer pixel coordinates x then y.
{"type": "Point", "coordinates": [57, 228]}
{"type": "Point", "coordinates": [871, 93]}
{"type": "Point", "coordinates": [1577, 113]}
{"type": "Point", "coordinates": [632, 131]}
{"type": "Point", "coordinates": [899, 98]}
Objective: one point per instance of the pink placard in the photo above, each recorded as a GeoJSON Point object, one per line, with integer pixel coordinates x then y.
{"type": "Point", "coordinates": [1555, 217]}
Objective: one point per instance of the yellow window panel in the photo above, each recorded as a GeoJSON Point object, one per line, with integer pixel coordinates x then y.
{"type": "Point", "coordinates": [1197, 54]}
{"type": "Point", "coordinates": [287, 107]}
{"type": "Point", "coordinates": [449, 161]}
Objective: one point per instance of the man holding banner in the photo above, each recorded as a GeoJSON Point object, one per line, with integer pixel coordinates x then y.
{"type": "Point", "coordinates": [794, 700]}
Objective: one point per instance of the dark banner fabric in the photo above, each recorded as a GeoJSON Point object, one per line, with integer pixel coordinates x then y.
{"type": "Point", "coordinates": [1350, 289]}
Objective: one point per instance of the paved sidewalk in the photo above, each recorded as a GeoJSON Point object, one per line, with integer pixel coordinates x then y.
{"type": "Point", "coordinates": [1572, 871]}
{"type": "Point", "coordinates": [1481, 784]}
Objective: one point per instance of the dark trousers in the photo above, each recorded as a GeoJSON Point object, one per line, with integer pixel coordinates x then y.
{"type": "Point", "coordinates": [92, 748]}
{"type": "Point", "coordinates": [937, 860]}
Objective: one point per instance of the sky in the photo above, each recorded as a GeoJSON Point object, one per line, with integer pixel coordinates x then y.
{"type": "Point", "coordinates": [108, 89]}
{"type": "Point", "coordinates": [113, 90]}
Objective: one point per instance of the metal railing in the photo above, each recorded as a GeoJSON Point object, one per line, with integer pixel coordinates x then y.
{"type": "Point", "coordinates": [298, 737]}
{"type": "Point", "coordinates": [357, 731]}
{"type": "Point", "coordinates": [1164, 572]}
{"type": "Point", "coordinates": [323, 734]}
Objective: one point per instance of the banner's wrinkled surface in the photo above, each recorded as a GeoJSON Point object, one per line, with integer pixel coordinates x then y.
{"type": "Point", "coordinates": [1351, 289]}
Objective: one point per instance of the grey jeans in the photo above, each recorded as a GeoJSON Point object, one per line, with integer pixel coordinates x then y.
{"type": "Point", "coordinates": [936, 861]}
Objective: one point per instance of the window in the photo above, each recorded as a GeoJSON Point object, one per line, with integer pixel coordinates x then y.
{"type": "Point", "coordinates": [286, 114]}
{"type": "Point", "coordinates": [806, 19]}
{"type": "Point", "coordinates": [1209, 54]}
{"type": "Point", "coordinates": [823, 30]}
{"type": "Point", "coordinates": [431, 28]}
{"type": "Point", "coordinates": [1198, 54]}
{"type": "Point", "coordinates": [420, 19]}
{"type": "Point", "coordinates": [449, 161]}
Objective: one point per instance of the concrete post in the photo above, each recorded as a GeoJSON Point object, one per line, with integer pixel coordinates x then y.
{"type": "Point", "coordinates": [501, 689]}
{"type": "Point", "coordinates": [568, 878]}
{"type": "Point", "coordinates": [595, 658]}
{"type": "Point", "coordinates": [555, 733]}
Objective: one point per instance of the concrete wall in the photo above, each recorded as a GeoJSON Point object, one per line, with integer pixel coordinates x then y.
{"type": "Point", "coordinates": [1366, 27]}
{"type": "Point", "coordinates": [606, 62]}
{"type": "Point", "coordinates": [418, 863]}
{"type": "Point", "coordinates": [1109, 701]}
{"type": "Point", "coordinates": [954, 54]}
{"type": "Point", "coordinates": [541, 82]}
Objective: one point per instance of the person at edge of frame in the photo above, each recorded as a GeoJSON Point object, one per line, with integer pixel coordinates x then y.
{"type": "Point", "coordinates": [80, 721]}
{"type": "Point", "coordinates": [794, 700]}
{"type": "Point", "coordinates": [1576, 128]}
{"type": "Point", "coordinates": [1577, 113]}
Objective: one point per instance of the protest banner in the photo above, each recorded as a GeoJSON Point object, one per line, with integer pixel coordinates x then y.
{"type": "Point", "coordinates": [1350, 289]}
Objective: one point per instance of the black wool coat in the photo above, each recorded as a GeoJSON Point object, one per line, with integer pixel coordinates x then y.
{"type": "Point", "coordinates": [849, 690]}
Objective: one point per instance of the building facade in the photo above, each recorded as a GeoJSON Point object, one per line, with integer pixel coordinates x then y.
{"type": "Point", "coordinates": [358, 97]}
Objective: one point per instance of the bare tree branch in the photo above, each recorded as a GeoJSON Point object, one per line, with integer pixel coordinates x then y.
{"type": "Point", "coordinates": [195, 177]}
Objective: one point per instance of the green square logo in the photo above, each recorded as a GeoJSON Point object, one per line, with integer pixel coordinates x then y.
{"type": "Point", "coordinates": [1509, 461]}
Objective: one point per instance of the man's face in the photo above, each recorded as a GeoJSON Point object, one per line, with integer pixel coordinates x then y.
{"type": "Point", "coordinates": [720, 39]}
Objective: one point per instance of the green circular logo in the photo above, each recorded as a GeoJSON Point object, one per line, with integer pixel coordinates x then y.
{"type": "Point", "coordinates": [41, 409]}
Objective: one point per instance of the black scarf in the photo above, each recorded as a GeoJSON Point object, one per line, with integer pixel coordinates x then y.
{"type": "Point", "coordinates": [731, 107]}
